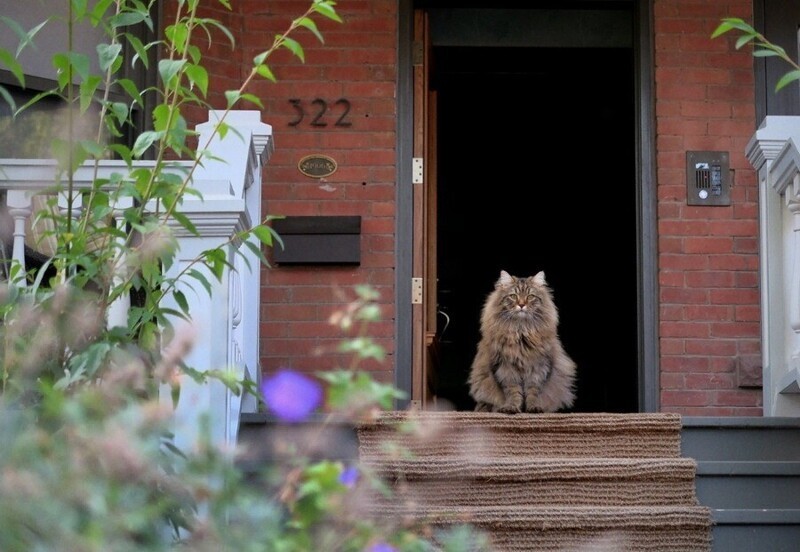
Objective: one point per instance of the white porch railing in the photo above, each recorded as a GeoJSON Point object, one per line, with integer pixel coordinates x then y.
{"type": "Point", "coordinates": [226, 322]}
{"type": "Point", "coordinates": [773, 151]}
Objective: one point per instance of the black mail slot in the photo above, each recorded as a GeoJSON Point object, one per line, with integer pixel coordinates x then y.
{"type": "Point", "coordinates": [318, 240]}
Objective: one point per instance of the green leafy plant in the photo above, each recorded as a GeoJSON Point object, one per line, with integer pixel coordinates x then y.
{"type": "Point", "coordinates": [89, 460]}
{"type": "Point", "coordinates": [762, 47]}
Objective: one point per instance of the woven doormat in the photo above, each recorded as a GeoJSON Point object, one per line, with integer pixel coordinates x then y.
{"type": "Point", "coordinates": [478, 434]}
{"type": "Point", "coordinates": [577, 529]}
{"type": "Point", "coordinates": [539, 482]}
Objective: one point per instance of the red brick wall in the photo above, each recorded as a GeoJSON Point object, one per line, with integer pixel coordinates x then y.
{"type": "Point", "coordinates": [708, 256]}
{"type": "Point", "coordinates": [357, 62]}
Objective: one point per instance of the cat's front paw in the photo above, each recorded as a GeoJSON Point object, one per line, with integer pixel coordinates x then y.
{"type": "Point", "coordinates": [509, 409]}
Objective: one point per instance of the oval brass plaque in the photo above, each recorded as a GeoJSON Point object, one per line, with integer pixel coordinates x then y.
{"type": "Point", "coordinates": [317, 166]}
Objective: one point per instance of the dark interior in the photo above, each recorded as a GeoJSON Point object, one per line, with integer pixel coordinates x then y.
{"type": "Point", "coordinates": [536, 158]}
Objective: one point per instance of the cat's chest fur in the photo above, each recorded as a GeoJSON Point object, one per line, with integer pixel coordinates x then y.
{"type": "Point", "coordinates": [520, 346]}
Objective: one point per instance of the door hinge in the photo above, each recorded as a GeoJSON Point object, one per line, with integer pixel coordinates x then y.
{"type": "Point", "coordinates": [417, 166]}
{"type": "Point", "coordinates": [416, 291]}
{"type": "Point", "coordinates": [417, 53]}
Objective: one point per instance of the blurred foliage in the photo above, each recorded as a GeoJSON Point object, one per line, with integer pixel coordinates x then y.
{"type": "Point", "coordinates": [88, 460]}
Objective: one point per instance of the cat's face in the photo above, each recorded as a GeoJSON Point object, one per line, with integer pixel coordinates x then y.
{"type": "Point", "coordinates": [526, 298]}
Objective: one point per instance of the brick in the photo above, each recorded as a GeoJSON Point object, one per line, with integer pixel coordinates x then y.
{"type": "Point", "coordinates": [711, 347]}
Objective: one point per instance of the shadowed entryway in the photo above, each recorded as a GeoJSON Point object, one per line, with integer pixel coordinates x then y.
{"type": "Point", "coordinates": [536, 171]}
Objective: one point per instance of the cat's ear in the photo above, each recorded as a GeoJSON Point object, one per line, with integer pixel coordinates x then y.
{"type": "Point", "coordinates": [539, 278]}
{"type": "Point", "coordinates": [505, 279]}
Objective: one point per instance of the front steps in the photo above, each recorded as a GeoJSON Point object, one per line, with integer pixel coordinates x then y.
{"type": "Point", "coordinates": [748, 474]}
{"type": "Point", "coordinates": [541, 482]}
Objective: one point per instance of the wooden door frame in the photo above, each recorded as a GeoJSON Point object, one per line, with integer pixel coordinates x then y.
{"type": "Point", "coordinates": [647, 276]}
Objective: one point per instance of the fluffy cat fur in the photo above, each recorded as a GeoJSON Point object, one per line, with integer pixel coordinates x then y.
{"type": "Point", "coordinates": [520, 364]}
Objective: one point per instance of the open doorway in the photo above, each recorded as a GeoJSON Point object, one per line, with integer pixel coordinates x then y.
{"type": "Point", "coordinates": [537, 171]}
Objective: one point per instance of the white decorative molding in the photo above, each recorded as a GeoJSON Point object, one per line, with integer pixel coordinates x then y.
{"type": "Point", "coordinates": [773, 152]}
{"type": "Point", "coordinates": [229, 183]}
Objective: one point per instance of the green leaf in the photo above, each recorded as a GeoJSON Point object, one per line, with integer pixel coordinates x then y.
{"type": "Point", "coordinates": [256, 252]}
{"type": "Point", "coordinates": [92, 359]}
{"type": "Point", "coordinates": [25, 38]}
{"type": "Point", "coordinates": [132, 90]}
{"type": "Point", "coordinates": [144, 141]}
{"type": "Point", "coordinates": [264, 234]}
{"type": "Point", "coordinates": [99, 10]}
{"type": "Point", "coordinates": [168, 69]}
{"type": "Point", "coordinates": [126, 19]}
{"type": "Point", "coordinates": [139, 49]}
{"type": "Point", "coordinates": [13, 65]}
{"type": "Point", "coordinates": [326, 9]}
{"type": "Point", "coordinates": [8, 98]}
{"type": "Point", "coordinates": [789, 77]}
{"type": "Point", "coordinates": [215, 260]}
{"type": "Point", "coordinates": [252, 98]}
{"type": "Point", "coordinates": [120, 111]}
{"type": "Point", "coordinates": [764, 53]}
{"type": "Point", "coordinates": [107, 54]}
{"type": "Point", "coordinates": [80, 63]}
{"type": "Point", "coordinates": [309, 24]}
{"type": "Point", "coordinates": [293, 46]}
{"type": "Point", "coordinates": [228, 379]}
{"type": "Point", "coordinates": [185, 222]}
{"type": "Point", "coordinates": [180, 298]}
{"type": "Point", "coordinates": [194, 54]}
{"type": "Point", "coordinates": [161, 117]}
{"type": "Point", "coordinates": [92, 148]}
{"type": "Point", "coordinates": [61, 65]}
{"type": "Point", "coordinates": [201, 278]}
{"type": "Point", "coordinates": [68, 155]}
{"type": "Point", "coordinates": [178, 35]}
{"type": "Point", "coordinates": [721, 29]}
{"type": "Point", "coordinates": [232, 96]}
{"type": "Point", "coordinates": [222, 28]}
{"type": "Point", "coordinates": [266, 72]}
{"type": "Point", "coordinates": [742, 40]}
{"type": "Point", "coordinates": [87, 90]}
{"type": "Point", "coordinates": [79, 8]}
{"type": "Point", "coordinates": [198, 75]}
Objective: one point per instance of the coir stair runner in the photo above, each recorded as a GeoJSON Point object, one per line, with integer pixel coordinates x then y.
{"type": "Point", "coordinates": [541, 482]}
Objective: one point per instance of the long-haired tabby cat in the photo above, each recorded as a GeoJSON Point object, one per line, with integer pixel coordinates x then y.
{"type": "Point", "coordinates": [520, 364]}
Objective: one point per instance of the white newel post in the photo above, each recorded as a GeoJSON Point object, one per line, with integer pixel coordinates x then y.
{"type": "Point", "coordinates": [773, 152]}
{"type": "Point", "coordinates": [224, 323]}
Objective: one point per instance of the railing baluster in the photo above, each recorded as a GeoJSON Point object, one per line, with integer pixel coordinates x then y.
{"type": "Point", "coordinates": [19, 207]}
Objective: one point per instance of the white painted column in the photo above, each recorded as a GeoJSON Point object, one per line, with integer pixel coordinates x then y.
{"type": "Point", "coordinates": [773, 153]}
{"type": "Point", "coordinates": [225, 323]}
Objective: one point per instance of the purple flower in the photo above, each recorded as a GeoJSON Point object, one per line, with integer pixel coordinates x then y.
{"type": "Point", "coordinates": [349, 477]}
{"type": "Point", "coordinates": [381, 547]}
{"type": "Point", "coordinates": [291, 396]}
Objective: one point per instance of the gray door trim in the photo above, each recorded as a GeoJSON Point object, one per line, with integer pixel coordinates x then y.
{"type": "Point", "coordinates": [648, 212]}
{"type": "Point", "coordinates": [404, 236]}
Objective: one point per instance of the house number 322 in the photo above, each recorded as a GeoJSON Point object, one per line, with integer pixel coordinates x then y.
{"type": "Point", "coordinates": [320, 111]}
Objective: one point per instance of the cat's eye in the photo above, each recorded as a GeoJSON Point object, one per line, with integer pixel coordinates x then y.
{"type": "Point", "coordinates": [531, 297]}
{"type": "Point", "coordinates": [512, 296]}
